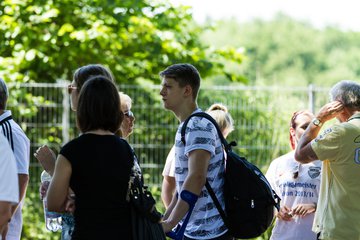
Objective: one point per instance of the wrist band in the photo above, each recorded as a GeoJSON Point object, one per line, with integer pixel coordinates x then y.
{"type": "Point", "coordinates": [189, 197]}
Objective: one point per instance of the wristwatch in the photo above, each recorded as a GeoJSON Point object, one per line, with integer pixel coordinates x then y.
{"type": "Point", "coordinates": [317, 122]}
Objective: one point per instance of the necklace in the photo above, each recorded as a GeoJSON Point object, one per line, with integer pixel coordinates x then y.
{"type": "Point", "coordinates": [99, 132]}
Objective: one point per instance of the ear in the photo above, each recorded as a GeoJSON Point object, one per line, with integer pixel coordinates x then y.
{"type": "Point", "coordinates": [292, 131]}
{"type": "Point", "coordinates": [187, 90]}
{"type": "Point", "coordinates": [292, 138]}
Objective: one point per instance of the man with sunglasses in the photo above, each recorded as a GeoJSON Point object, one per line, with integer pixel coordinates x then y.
{"type": "Point", "coordinates": [20, 146]}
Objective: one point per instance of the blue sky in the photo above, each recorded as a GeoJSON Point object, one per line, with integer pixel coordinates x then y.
{"type": "Point", "coordinates": [344, 13]}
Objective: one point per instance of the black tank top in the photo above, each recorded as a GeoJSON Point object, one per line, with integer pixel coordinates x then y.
{"type": "Point", "coordinates": [101, 166]}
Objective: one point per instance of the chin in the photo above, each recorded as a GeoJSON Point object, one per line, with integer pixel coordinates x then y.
{"type": "Point", "coordinates": [165, 105]}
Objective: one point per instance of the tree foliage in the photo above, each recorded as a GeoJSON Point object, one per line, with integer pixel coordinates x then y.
{"type": "Point", "coordinates": [46, 40]}
{"type": "Point", "coordinates": [284, 51]}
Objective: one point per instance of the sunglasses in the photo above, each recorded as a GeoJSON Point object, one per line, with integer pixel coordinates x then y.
{"type": "Point", "coordinates": [129, 114]}
{"type": "Point", "coordinates": [70, 88]}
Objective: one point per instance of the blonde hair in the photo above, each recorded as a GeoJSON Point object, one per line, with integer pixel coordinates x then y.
{"type": "Point", "coordinates": [125, 99]}
{"type": "Point", "coordinates": [223, 118]}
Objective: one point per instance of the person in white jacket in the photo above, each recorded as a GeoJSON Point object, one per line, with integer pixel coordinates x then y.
{"type": "Point", "coordinates": [20, 145]}
{"type": "Point", "coordinates": [9, 188]}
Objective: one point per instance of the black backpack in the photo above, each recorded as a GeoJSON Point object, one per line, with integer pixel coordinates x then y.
{"type": "Point", "coordinates": [249, 198]}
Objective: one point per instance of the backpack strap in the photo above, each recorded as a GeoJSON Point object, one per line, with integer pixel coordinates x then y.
{"type": "Point", "coordinates": [226, 147]}
{"type": "Point", "coordinates": [208, 117]}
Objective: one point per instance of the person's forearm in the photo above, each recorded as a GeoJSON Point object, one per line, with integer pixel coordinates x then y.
{"type": "Point", "coordinates": [310, 133]}
{"type": "Point", "coordinates": [303, 152]}
{"type": "Point", "coordinates": [166, 197]}
{"type": "Point", "coordinates": [170, 208]}
{"type": "Point", "coordinates": [168, 189]}
{"type": "Point", "coordinates": [23, 180]}
{"type": "Point", "coordinates": [5, 214]}
{"type": "Point", "coordinates": [193, 183]}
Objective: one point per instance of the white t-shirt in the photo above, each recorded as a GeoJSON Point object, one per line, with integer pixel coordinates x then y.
{"type": "Point", "coordinates": [9, 186]}
{"type": "Point", "coordinates": [293, 191]}
{"type": "Point", "coordinates": [169, 168]}
{"type": "Point", "coordinates": [205, 221]}
{"type": "Point", "coordinates": [21, 148]}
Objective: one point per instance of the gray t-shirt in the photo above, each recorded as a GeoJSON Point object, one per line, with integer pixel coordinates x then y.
{"type": "Point", "coordinates": [205, 221]}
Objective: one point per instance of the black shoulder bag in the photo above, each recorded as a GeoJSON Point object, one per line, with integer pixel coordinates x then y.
{"type": "Point", "coordinates": [144, 216]}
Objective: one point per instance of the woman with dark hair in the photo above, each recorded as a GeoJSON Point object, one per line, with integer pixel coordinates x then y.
{"type": "Point", "coordinates": [97, 166]}
{"type": "Point", "coordinates": [297, 185]}
{"type": "Point", "coordinates": [47, 157]}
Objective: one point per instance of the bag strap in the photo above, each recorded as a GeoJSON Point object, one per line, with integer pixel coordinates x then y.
{"type": "Point", "coordinates": [208, 117]}
{"type": "Point", "coordinates": [226, 146]}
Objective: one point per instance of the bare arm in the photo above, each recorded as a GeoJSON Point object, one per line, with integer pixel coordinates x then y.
{"type": "Point", "coordinates": [23, 182]}
{"type": "Point", "coordinates": [194, 182]}
{"type": "Point", "coordinates": [5, 215]}
{"type": "Point", "coordinates": [167, 190]}
{"type": "Point", "coordinates": [304, 152]}
{"type": "Point", "coordinates": [170, 207]}
{"type": "Point", "coordinates": [59, 186]}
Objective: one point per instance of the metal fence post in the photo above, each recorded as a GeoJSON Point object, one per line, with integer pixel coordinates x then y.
{"type": "Point", "coordinates": [65, 114]}
{"type": "Point", "coordinates": [311, 94]}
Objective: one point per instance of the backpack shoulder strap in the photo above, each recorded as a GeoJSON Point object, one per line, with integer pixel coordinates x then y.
{"type": "Point", "coordinates": [226, 146]}
{"type": "Point", "coordinates": [208, 117]}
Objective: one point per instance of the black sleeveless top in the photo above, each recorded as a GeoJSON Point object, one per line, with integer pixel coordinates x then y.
{"type": "Point", "coordinates": [101, 166]}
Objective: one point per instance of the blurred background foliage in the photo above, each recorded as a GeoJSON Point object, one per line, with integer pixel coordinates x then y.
{"type": "Point", "coordinates": [44, 41]}
{"type": "Point", "coordinates": [287, 52]}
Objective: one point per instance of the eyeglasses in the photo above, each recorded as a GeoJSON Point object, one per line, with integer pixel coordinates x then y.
{"type": "Point", "coordinates": [129, 114]}
{"type": "Point", "coordinates": [70, 88]}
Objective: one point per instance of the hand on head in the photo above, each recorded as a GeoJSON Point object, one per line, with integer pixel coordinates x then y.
{"type": "Point", "coordinates": [330, 111]}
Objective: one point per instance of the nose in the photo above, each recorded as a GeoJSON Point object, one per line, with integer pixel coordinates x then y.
{"type": "Point", "coordinates": [162, 92]}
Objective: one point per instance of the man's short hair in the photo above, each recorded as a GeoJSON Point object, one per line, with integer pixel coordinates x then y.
{"type": "Point", "coordinates": [184, 74]}
{"type": "Point", "coordinates": [347, 92]}
{"type": "Point", "coordinates": [99, 106]}
{"type": "Point", "coordinates": [4, 94]}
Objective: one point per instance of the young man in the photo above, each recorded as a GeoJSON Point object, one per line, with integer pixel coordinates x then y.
{"type": "Point", "coordinates": [20, 145]}
{"type": "Point", "coordinates": [200, 159]}
{"type": "Point", "coordinates": [338, 147]}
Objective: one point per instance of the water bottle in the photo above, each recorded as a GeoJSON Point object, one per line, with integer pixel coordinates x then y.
{"type": "Point", "coordinates": [52, 219]}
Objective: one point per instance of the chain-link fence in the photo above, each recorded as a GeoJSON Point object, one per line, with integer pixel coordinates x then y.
{"type": "Point", "coordinates": [261, 116]}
